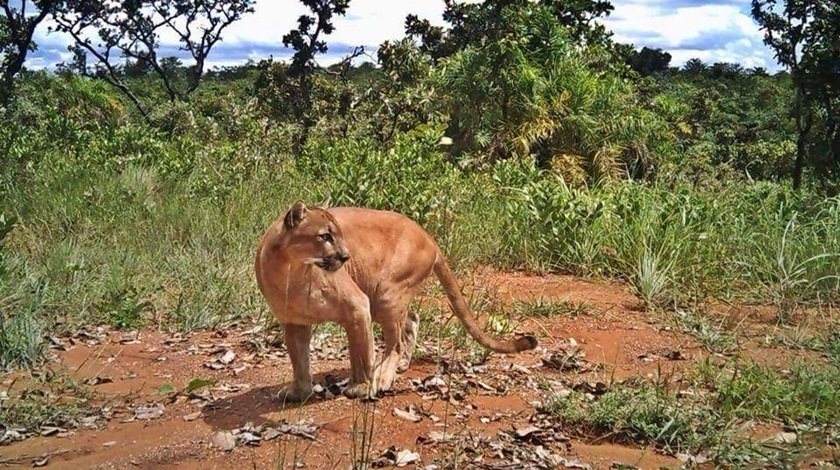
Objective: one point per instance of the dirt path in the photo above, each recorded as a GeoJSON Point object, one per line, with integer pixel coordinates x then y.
{"type": "Point", "coordinates": [474, 408]}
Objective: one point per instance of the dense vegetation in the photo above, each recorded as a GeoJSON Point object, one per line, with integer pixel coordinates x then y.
{"type": "Point", "coordinates": [521, 137]}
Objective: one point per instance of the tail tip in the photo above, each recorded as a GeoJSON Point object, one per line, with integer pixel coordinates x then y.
{"type": "Point", "coordinates": [525, 343]}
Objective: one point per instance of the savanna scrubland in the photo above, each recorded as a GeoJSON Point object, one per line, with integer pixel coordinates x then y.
{"type": "Point", "coordinates": [671, 234]}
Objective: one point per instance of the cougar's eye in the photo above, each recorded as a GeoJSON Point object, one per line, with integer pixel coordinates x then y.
{"type": "Point", "coordinates": [327, 237]}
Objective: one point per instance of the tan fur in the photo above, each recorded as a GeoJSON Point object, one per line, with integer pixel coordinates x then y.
{"type": "Point", "coordinates": [305, 283]}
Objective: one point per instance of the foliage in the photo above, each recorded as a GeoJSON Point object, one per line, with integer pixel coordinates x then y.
{"type": "Point", "coordinates": [476, 23]}
{"type": "Point", "coordinates": [541, 94]}
{"type": "Point", "coordinates": [17, 28]}
{"type": "Point", "coordinates": [649, 61]}
{"type": "Point", "coordinates": [307, 42]}
{"type": "Point", "coordinates": [112, 32]}
{"type": "Point", "coordinates": [803, 35]}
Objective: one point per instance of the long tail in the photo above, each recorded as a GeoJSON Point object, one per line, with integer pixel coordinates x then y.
{"type": "Point", "coordinates": [462, 311]}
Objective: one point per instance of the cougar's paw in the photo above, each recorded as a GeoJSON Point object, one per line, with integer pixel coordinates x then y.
{"type": "Point", "coordinates": [361, 390]}
{"type": "Point", "coordinates": [404, 364]}
{"type": "Point", "coordinates": [292, 393]}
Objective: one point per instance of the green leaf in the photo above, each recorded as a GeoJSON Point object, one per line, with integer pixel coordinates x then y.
{"type": "Point", "coordinates": [195, 384]}
{"type": "Point", "coordinates": [166, 389]}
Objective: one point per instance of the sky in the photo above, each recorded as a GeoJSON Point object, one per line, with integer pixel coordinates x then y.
{"type": "Point", "coordinates": [713, 30]}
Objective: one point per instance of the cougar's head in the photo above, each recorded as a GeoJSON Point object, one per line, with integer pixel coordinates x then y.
{"type": "Point", "coordinates": [314, 237]}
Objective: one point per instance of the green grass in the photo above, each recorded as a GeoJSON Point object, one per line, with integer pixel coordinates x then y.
{"type": "Point", "coordinates": [547, 308]}
{"type": "Point", "coordinates": [642, 412]}
{"type": "Point", "coordinates": [705, 329]}
{"type": "Point", "coordinates": [21, 341]}
{"type": "Point", "coordinates": [47, 399]}
{"type": "Point", "coordinates": [705, 414]}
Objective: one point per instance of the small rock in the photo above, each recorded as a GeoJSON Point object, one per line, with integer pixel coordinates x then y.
{"type": "Point", "coordinates": [223, 440]}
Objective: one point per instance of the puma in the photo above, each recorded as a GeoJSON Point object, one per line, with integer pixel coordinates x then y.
{"type": "Point", "coordinates": [352, 266]}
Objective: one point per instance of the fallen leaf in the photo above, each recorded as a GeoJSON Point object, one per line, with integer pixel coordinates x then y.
{"type": "Point", "coordinates": [93, 381]}
{"type": "Point", "coordinates": [407, 415]}
{"type": "Point", "coordinates": [405, 457]}
{"type": "Point", "coordinates": [146, 412]}
{"type": "Point", "coordinates": [227, 357]}
{"type": "Point", "coordinates": [249, 438]}
{"type": "Point", "coordinates": [192, 416]}
{"type": "Point", "coordinates": [198, 383]}
{"type": "Point", "coordinates": [526, 431]}
{"type": "Point", "coordinates": [576, 464]}
{"type": "Point", "coordinates": [132, 337]}
{"type": "Point", "coordinates": [56, 343]}
{"type": "Point", "coordinates": [785, 438]}
{"type": "Point", "coordinates": [270, 434]}
{"type": "Point", "coordinates": [437, 436]}
{"type": "Point", "coordinates": [50, 430]}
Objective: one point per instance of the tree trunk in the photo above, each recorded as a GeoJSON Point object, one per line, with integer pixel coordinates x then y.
{"type": "Point", "coordinates": [801, 143]}
{"type": "Point", "coordinates": [804, 120]}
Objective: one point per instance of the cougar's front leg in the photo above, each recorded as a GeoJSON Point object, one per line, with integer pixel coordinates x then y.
{"type": "Point", "coordinates": [297, 342]}
{"type": "Point", "coordinates": [360, 336]}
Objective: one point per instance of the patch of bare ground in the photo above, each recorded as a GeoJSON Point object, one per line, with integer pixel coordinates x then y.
{"type": "Point", "coordinates": [155, 415]}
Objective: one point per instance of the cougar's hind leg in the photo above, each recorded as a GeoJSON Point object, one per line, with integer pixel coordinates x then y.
{"type": "Point", "coordinates": [386, 372]}
{"type": "Point", "coordinates": [409, 339]}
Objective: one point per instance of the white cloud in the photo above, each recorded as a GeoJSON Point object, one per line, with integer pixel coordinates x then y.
{"type": "Point", "coordinates": [716, 30]}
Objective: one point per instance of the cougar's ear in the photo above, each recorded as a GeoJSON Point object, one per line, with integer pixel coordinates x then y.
{"type": "Point", "coordinates": [325, 204]}
{"type": "Point", "coordinates": [295, 215]}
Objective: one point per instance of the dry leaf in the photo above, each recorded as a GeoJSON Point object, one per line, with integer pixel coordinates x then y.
{"type": "Point", "coordinates": [192, 416]}
{"type": "Point", "coordinates": [409, 415]}
{"type": "Point", "coordinates": [146, 412]}
{"type": "Point", "coordinates": [227, 357]}
{"type": "Point", "coordinates": [405, 457]}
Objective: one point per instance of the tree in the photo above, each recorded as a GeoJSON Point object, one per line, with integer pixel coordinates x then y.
{"type": "Point", "coordinates": [649, 61]}
{"type": "Point", "coordinates": [533, 91]}
{"type": "Point", "coordinates": [17, 27]}
{"type": "Point", "coordinates": [821, 63]}
{"type": "Point", "coordinates": [803, 35]}
{"type": "Point", "coordinates": [307, 42]}
{"type": "Point", "coordinates": [695, 67]}
{"type": "Point", "coordinates": [199, 25]}
{"type": "Point", "coordinates": [116, 32]}
{"type": "Point", "coordinates": [481, 22]}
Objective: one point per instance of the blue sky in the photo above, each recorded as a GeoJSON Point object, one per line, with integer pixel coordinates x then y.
{"type": "Point", "coordinates": [714, 30]}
